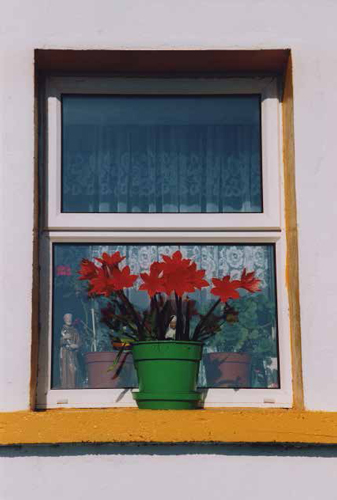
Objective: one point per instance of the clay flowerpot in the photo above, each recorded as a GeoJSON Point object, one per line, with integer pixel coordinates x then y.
{"type": "Point", "coordinates": [227, 369]}
{"type": "Point", "coordinates": [167, 374]}
{"type": "Point", "coordinates": [99, 377]}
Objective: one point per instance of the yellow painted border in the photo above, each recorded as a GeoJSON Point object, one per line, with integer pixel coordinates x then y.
{"type": "Point", "coordinates": [292, 263]}
{"type": "Point", "coordinates": [154, 426]}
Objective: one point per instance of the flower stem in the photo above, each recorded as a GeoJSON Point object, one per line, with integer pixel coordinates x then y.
{"type": "Point", "coordinates": [180, 325]}
{"type": "Point", "coordinates": [133, 312]}
{"type": "Point", "coordinates": [159, 324]}
{"type": "Point", "coordinates": [203, 320]}
{"type": "Point", "coordinates": [187, 322]}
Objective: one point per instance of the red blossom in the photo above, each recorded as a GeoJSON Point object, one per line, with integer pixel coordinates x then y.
{"type": "Point", "coordinates": [181, 275]}
{"type": "Point", "coordinates": [110, 261]}
{"type": "Point", "coordinates": [88, 270]}
{"type": "Point", "coordinates": [122, 279]}
{"type": "Point", "coordinates": [104, 284]}
{"type": "Point", "coordinates": [175, 262]}
{"type": "Point", "coordinates": [196, 276]}
{"type": "Point", "coordinates": [225, 289]}
{"type": "Point", "coordinates": [249, 282]}
{"type": "Point", "coordinates": [153, 282]}
{"type": "Point", "coordinates": [100, 284]}
{"type": "Point", "coordinates": [106, 279]}
{"type": "Point", "coordinates": [156, 267]}
{"type": "Point", "coordinates": [178, 283]}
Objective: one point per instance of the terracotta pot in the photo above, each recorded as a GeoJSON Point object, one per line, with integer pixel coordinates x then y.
{"type": "Point", "coordinates": [227, 369]}
{"type": "Point", "coordinates": [99, 377]}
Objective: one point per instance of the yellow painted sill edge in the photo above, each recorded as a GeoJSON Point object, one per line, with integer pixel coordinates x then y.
{"type": "Point", "coordinates": [129, 425]}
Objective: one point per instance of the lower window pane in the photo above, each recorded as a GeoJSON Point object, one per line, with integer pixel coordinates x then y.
{"type": "Point", "coordinates": [242, 353]}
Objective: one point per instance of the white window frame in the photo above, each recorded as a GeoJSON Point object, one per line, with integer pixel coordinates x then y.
{"type": "Point", "coordinates": [269, 219]}
{"type": "Point", "coordinates": [54, 398]}
{"type": "Point", "coordinates": [266, 227]}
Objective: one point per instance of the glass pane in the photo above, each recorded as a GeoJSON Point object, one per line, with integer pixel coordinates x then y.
{"type": "Point", "coordinates": [161, 154]}
{"type": "Point", "coordinates": [242, 353]}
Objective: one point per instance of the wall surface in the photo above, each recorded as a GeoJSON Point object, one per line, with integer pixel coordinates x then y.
{"type": "Point", "coordinates": [309, 29]}
{"type": "Point", "coordinates": [245, 473]}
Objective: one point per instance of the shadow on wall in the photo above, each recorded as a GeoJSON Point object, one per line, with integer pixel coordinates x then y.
{"type": "Point", "coordinates": [59, 450]}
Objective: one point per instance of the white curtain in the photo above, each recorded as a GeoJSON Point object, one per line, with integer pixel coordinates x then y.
{"type": "Point", "coordinates": [161, 168]}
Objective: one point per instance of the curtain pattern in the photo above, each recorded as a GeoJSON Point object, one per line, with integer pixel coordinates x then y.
{"type": "Point", "coordinates": [208, 168]}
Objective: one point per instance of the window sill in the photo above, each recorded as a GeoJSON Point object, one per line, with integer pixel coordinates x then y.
{"type": "Point", "coordinates": [137, 426]}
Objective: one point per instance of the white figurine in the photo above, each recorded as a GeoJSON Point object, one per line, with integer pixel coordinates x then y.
{"type": "Point", "coordinates": [171, 331]}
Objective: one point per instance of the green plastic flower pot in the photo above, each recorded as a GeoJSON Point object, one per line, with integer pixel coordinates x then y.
{"type": "Point", "coordinates": [167, 374]}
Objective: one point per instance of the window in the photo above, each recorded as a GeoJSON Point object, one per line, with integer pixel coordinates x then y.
{"type": "Point", "coordinates": [148, 167]}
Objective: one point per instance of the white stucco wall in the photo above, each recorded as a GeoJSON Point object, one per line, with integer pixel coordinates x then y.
{"type": "Point", "coordinates": [190, 473]}
{"type": "Point", "coordinates": [309, 29]}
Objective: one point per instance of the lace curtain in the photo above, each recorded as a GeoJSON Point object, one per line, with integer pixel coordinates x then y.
{"type": "Point", "coordinates": [161, 167]}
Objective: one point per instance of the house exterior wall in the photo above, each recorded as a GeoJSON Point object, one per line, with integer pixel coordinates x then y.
{"type": "Point", "coordinates": [83, 473]}
{"type": "Point", "coordinates": [308, 28]}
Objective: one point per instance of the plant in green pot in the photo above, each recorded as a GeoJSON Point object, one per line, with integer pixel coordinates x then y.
{"type": "Point", "coordinates": [167, 337]}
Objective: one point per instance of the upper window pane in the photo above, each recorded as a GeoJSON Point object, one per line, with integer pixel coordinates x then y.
{"type": "Point", "coordinates": [160, 154]}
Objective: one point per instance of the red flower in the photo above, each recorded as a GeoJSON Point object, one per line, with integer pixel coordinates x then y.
{"type": "Point", "coordinates": [122, 279]}
{"type": "Point", "coordinates": [111, 261]}
{"type": "Point", "coordinates": [153, 282]}
{"type": "Point", "coordinates": [181, 275]}
{"type": "Point", "coordinates": [196, 276]}
{"type": "Point", "coordinates": [249, 282]}
{"type": "Point", "coordinates": [175, 262]}
{"type": "Point", "coordinates": [88, 270]}
{"type": "Point", "coordinates": [178, 283]}
{"type": "Point", "coordinates": [106, 279]}
{"type": "Point", "coordinates": [103, 284]}
{"type": "Point", "coordinates": [226, 289]}
{"type": "Point", "coordinates": [156, 267]}
{"type": "Point", "coordinates": [100, 284]}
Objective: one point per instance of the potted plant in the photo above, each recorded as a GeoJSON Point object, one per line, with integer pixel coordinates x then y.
{"type": "Point", "coordinates": [166, 338]}
{"type": "Point", "coordinates": [245, 355]}
{"type": "Point", "coordinates": [97, 351]}
{"type": "Point", "coordinates": [103, 351]}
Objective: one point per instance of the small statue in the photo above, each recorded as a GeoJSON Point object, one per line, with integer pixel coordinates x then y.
{"type": "Point", "coordinates": [69, 345]}
{"type": "Point", "coordinates": [171, 331]}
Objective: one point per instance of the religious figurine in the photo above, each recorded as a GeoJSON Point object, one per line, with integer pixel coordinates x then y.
{"type": "Point", "coordinates": [171, 331]}
{"type": "Point", "coordinates": [69, 345]}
